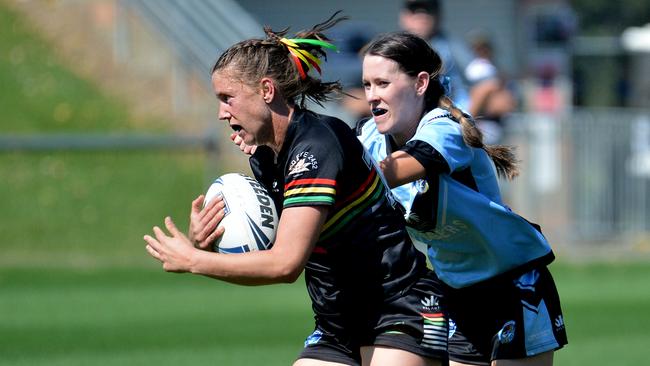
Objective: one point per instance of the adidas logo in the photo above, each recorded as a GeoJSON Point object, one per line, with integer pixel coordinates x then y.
{"type": "Point", "coordinates": [429, 302]}
{"type": "Point", "coordinates": [559, 322]}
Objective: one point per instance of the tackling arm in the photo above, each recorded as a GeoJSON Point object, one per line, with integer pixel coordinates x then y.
{"type": "Point", "coordinates": [400, 168]}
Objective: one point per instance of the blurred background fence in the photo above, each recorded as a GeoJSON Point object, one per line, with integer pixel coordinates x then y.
{"type": "Point", "coordinates": [585, 177]}
{"type": "Point", "coordinates": [585, 170]}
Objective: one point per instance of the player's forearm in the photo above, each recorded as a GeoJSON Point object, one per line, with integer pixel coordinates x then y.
{"type": "Point", "coordinates": [251, 269]}
{"type": "Point", "coordinates": [400, 168]}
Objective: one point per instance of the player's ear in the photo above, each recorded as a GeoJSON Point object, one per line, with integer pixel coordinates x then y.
{"type": "Point", "coordinates": [268, 89]}
{"type": "Point", "coordinates": [422, 82]}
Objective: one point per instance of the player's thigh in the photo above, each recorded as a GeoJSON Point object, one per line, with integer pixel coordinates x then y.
{"type": "Point", "coordinates": [385, 356]}
{"type": "Point", "coordinates": [543, 359]}
{"type": "Point", "coordinates": [314, 362]}
{"type": "Point", "coordinates": [454, 363]}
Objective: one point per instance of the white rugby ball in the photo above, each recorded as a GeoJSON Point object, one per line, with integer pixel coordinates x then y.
{"type": "Point", "coordinates": [251, 219]}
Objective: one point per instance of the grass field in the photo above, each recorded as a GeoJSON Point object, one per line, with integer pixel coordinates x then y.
{"type": "Point", "coordinates": [606, 309]}
{"type": "Point", "coordinates": [77, 287]}
{"type": "Point", "coordinates": [121, 316]}
{"type": "Point", "coordinates": [91, 206]}
{"type": "Point", "coordinates": [142, 316]}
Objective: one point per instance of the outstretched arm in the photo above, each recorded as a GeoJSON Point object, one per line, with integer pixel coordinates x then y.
{"type": "Point", "coordinates": [297, 234]}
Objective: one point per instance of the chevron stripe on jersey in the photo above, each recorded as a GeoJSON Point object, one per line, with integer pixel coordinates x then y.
{"type": "Point", "coordinates": [309, 191]}
{"type": "Point", "coordinates": [355, 205]}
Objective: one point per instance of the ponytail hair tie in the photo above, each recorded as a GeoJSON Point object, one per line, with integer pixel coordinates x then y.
{"type": "Point", "coordinates": [302, 57]}
{"type": "Point", "coordinates": [445, 81]}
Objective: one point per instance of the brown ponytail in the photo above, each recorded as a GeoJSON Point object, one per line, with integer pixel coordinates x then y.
{"type": "Point", "coordinates": [503, 156]}
{"type": "Point", "coordinates": [254, 59]}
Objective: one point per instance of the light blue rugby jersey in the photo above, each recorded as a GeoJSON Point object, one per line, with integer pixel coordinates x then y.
{"type": "Point", "coordinates": [471, 235]}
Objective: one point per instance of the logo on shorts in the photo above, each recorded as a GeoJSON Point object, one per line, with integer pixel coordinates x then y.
{"type": "Point", "coordinates": [507, 333]}
{"type": "Point", "coordinates": [452, 327]}
{"type": "Point", "coordinates": [313, 338]}
{"type": "Point", "coordinates": [559, 322]}
{"type": "Point", "coordinates": [430, 303]}
{"type": "Point", "coordinates": [303, 162]}
{"type": "Point", "coordinates": [421, 185]}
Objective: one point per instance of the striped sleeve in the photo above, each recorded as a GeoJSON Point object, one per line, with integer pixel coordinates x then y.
{"type": "Point", "coordinates": [309, 192]}
{"type": "Point", "coordinates": [357, 205]}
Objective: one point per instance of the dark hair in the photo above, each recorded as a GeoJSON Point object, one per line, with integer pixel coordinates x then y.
{"type": "Point", "coordinates": [254, 59]}
{"type": "Point", "coordinates": [414, 55]}
{"type": "Point", "coordinates": [422, 6]}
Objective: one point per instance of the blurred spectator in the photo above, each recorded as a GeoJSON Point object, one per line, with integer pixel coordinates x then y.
{"type": "Point", "coordinates": [345, 65]}
{"type": "Point", "coordinates": [547, 94]}
{"type": "Point", "coordinates": [423, 18]}
{"type": "Point", "coordinates": [490, 99]}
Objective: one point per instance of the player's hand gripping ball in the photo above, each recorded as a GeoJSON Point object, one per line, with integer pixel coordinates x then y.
{"type": "Point", "coordinates": [250, 220]}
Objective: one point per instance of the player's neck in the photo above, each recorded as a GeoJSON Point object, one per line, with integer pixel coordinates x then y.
{"type": "Point", "coordinates": [281, 122]}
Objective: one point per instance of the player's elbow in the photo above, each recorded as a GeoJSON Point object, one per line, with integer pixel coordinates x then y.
{"type": "Point", "coordinates": [287, 273]}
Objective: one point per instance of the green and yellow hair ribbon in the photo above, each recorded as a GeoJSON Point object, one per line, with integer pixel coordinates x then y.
{"type": "Point", "coordinates": [315, 42]}
{"type": "Point", "coordinates": [300, 56]}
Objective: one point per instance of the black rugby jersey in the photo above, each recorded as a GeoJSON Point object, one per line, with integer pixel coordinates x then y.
{"type": "Point", "coordinates": [364, 253]}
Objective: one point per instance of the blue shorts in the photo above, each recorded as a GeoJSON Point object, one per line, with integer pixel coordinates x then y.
{"type": "Point", "coordinates": [508, 317]}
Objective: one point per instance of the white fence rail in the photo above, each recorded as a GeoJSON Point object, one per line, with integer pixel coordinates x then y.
{"type": "Point", "coordinates": [50, 142]}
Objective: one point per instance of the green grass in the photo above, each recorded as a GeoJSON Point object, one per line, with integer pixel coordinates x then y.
{"type": "Point", "coordinates": [77, 287]}
{"type": "Point", "coordinates": [91, 205]}
{"type": "Point", "coordinates": [141, 315]}
{"type": "Point", "coordinates": [74, 208]}
{"type": "Point", "coordinates": [146, 317]}
{"type": "Point", "coordinates": [607, 313]}
{"type": "Point", "coordinates": [40, 94]}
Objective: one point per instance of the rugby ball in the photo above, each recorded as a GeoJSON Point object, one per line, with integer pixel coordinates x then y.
{"type": "Point", "coordinates": [251, 219]}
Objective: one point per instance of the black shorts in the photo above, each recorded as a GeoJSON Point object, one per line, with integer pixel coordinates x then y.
{"type": "Point", "coordinates": [414, 322]}
{"type": "Point", "coordinates": [509, 317]}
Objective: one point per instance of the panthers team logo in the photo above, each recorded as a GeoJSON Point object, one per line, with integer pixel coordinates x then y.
{"type": "Point", "coordinates": [303, 162]}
